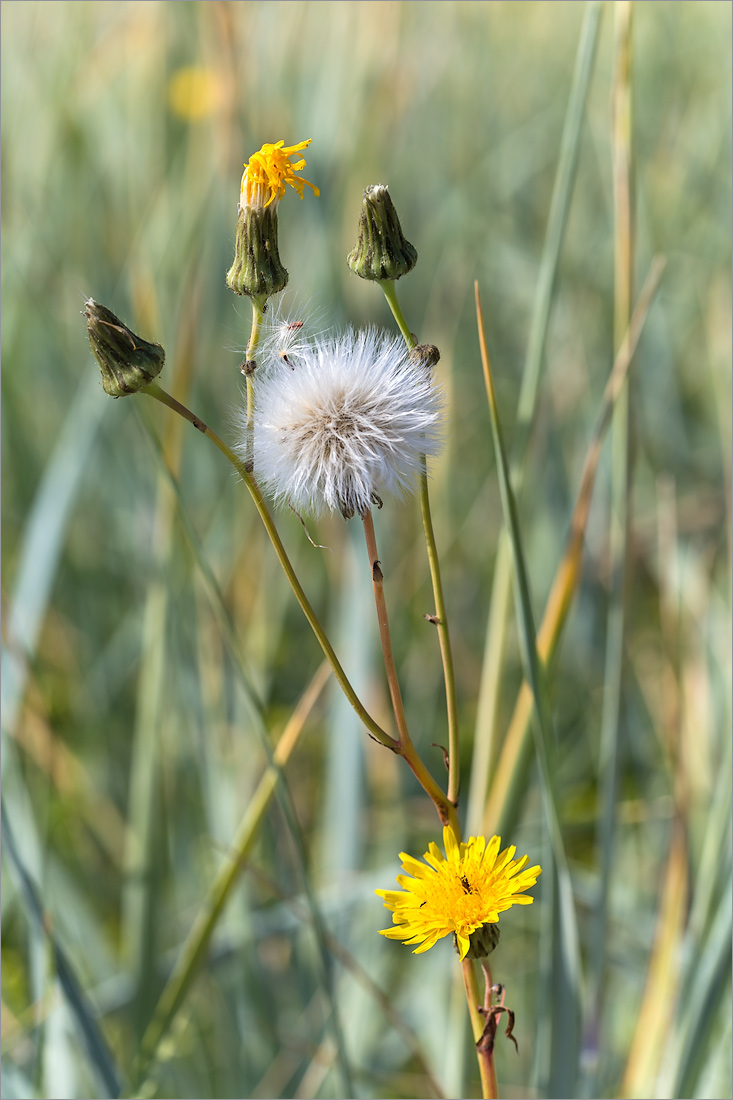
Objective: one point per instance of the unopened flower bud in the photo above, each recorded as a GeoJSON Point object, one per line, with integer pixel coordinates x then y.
{"type": "Point", "coordinates": [381, 251]}
{"type": "Point", "coordinates": [128, 363]}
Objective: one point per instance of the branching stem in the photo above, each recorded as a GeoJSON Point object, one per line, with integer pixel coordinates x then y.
{"type": "Point", "coordinates": [375, 730]}
{"type": "Point", "coordinates": [405, 747]}
{"type": "Point", "coordinates": [446, 653]}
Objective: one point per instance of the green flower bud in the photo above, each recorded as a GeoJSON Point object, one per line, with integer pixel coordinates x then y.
{"type": "Point", "coordinates": [257, 270]}
{"type": "Point", "coordinates": [381, 251]}
{"type": "Point", "coordinates": [128, 363]}
{"type": "Point", "coordinates": [482, 941]}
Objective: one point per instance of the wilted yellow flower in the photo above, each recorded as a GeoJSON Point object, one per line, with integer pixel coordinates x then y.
{"type": "Point", "coordinates": [461, 892]}
{"type": "Point", "coordinates": [267, 173]}
{"type": "Point", "coordinates": [257, 270]}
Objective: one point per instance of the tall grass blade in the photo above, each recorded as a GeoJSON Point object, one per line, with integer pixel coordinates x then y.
{"type": "Point", "coordinates": [99, 1053]}
{"type": "Point", "coordinates": [657, 1013]}
{"type": "Point", "coordinates": [43, 539]}
{"type": "Point", "coordinates": [566, 992]}
{"type": "Point", "coordinates": [510, 776]}
{"type": "Point", "coordinates": [706, 987]}
{"type": "Point", "coordinates": [178, 984]}
{"type": "Point", "coordinates": [489, 687]}
{"type": "Point", "coordinates": [144, 842]}
{"type": "Point", "coordinates": [620, 521]}
{"type": "Point", "coordinates": [197, 943]}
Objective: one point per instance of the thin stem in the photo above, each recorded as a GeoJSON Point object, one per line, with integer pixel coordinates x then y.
{"type": "Point", "coordinates": [384, 635]}
{"type": "Point", "coordinates": [446, 653]}
{"type": "Point", "coordinates": [390, 293]}
{"type": "Point", "coordinates": [489, 1087]}
{"type": "Point", "coordinates": [375, 730]}
{"type": "Point", "coordinates": [254, 340]}
{"type": "Point", "coordinates": [451, 698]}
{"type": "Point", "coordinates": [405, 747]}
{"type": "Point", "coordinates": [254, 336]}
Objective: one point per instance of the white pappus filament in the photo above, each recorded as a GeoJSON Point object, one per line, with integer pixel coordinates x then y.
{"type": "Point", "coordinates": [345, 419]}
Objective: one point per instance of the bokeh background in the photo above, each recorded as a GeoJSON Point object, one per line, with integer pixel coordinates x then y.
{"type": "Point", "coordinates": [133, 734]}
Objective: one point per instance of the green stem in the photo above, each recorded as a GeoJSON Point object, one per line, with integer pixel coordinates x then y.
{"type": "Point", "coordinates": [390, 293]}
{"type": "Point", "coordinates": [454, 760]}
{"type": "Point", "coordinates": [254, 340]}
{"type": "Point", "coordinates": [446, 653]}
{"type": "Point", "coordinates": [375, 730]}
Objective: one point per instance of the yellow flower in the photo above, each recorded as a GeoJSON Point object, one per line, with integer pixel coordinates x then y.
{"type": "Point", "coordinates": [195, 92]}
{"type": "Point", "coordinates": [459, 893]}
{"type": "Point", "coordinates": [267, 172]}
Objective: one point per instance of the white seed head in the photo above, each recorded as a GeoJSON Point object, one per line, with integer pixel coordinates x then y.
{"type": "Point", "coordinates": [348, 418]}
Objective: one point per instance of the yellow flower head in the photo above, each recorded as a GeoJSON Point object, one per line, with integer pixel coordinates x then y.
{"type": "Point", "coordinates": [459, 892]}
{"type": "Point", "coordinates": [267, 172]}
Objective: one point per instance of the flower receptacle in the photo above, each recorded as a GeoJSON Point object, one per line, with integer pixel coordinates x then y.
{"type": "Point", "coordinates": [482, 941]}
{"type": "Point", "coordinates": [257, 270]}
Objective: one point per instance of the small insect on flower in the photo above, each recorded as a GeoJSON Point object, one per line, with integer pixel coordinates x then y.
{"type": "Point", "coordinates": [461, 892]}
{"type": "Point", "coordinates": [350, 421]}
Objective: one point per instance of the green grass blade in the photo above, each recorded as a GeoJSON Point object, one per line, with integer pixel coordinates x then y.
{"type": "Point", "coordinates": [705, 992]}
{"type": "Point", "coordinates": [566, 981]}
{"type": "Point", "coordinates": [192, 953]}
{"type": "Point", "coordinates": [43, 539]}
{"type": "Point", "coordinates": [620, 525]}
{"type": "Point", "coordinates": [510, 777]}
{"type": "Point", "coordinates": [99, 1053]}
{"type": "Point", "coordinates": [489, 687]}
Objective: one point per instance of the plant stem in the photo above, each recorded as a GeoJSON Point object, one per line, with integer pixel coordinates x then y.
{"type": "Point", "coordinates": [375, 730]}
{"type": "Point", "coordinates": [384, 635]}
{"type": "Point", "coordinates": [446, 653]}
{"type": "Point", "coordinates": [390, 293]}
{"type": "Point", "coordinates": [254, 339]}
{"type": "Point", "coordinates": [451, 699]}
{"type": "Point", "coordinates": [405, 747]}
{"type": "Point", "coordinates": [487, 1070]}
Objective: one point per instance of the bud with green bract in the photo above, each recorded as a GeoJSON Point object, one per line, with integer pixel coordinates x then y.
{"type": "Point", "coordinates": [381, 251]}
{"type": "Point", "coordinates": [128, 363]}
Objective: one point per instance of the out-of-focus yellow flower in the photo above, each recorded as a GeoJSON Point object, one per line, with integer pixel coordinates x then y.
{"type": "Point", "coordinates": [268, 171]}
{"type": "Point", "coordinates": [195, 92]}
{"type": "Point", "coordinates": [462, 892]}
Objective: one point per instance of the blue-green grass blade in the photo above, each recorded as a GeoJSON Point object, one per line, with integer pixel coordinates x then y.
{"type": "Point", "coordinates": [566, 980]}
{"type": "Point", "coordinates": [489, 688]}
{"type": "Point", "coordinates": [705, 992]}
{"type": "Point", "coordinates": [43, 539]}
{"type": "Point", "coordinates": [194, 949]}
{"type": "Point", "coordinates": [99, 1053]}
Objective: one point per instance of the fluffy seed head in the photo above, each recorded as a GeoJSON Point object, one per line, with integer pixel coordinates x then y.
{"type": "Point", "coordinates": [343, 420]}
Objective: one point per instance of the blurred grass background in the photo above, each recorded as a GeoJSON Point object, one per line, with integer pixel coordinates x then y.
{"type": "Point", "coordinates": [133, 731]}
